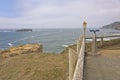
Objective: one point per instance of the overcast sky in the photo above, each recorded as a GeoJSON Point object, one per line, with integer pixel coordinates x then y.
{"type": "Point", "coordinates": [59, 13]}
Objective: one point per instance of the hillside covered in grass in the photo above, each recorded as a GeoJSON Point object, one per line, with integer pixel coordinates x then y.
{"type": "Point", "coordinates": [42, 66]}
{"type": "Point", "coordinates": [34, 66]}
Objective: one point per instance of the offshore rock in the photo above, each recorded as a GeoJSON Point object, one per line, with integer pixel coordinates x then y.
{"type": "Point", "coordinates": [24, 30]}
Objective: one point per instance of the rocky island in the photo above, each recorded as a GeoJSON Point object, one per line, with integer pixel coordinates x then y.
{"type": "Point", "coordinates": [115, 25]}
{"type": "Point", "coordinates": [24, 30]}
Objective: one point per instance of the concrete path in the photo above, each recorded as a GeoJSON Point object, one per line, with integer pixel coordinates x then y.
{"type": "Point", "coordinates": [105, 66]}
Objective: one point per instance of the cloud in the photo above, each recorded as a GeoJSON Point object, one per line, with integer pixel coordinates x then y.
{"type": "Point", "coordinates": [66, 13]}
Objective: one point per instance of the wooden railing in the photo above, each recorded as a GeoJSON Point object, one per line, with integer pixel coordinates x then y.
{"type": "Point", "coordinates": [78, 74]}
{"type": "Point", "coordinates": [104, 36]}
{"type": "Point", "coordinates": [101, 39]}
{"type": "Point", "coordinates": [76, 61]}
{"type": "Point", "coordinates": [76, 57]}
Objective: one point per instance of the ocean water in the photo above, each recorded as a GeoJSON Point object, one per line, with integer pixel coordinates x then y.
{"type": "Point", "coordinates": [52, 39]}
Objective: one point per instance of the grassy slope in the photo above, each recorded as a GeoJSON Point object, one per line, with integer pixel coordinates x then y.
{"type": "Point", "coordinates": [35, 66]}
{"type": "Point", "coordinates": [38, 66]}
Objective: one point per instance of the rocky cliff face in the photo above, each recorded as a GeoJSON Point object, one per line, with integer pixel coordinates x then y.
{"type": "Point", "coordinates": [23, 49]}
{"type": "Point", "coordinates": [115, 25]}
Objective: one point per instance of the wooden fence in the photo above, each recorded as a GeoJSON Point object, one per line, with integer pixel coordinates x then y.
{"type": "Point", "coordinates": [76, 61]}
{"type": "Point", "coordinates": [76, 58]}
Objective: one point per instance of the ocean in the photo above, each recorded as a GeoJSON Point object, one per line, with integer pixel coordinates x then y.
{"type": "Point", "coordinates": [52, 39]}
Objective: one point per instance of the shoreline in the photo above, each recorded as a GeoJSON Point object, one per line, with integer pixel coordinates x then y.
{"type": "Point", "coordinates": [66, 37]}
{"type": "Point", "coordinates": [37, 65]}
{"type": "Point", "coordinates": [64, 48]}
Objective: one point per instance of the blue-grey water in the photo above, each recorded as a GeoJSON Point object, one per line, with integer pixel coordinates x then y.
{"type": "Point", "coordinates": [52, 39]}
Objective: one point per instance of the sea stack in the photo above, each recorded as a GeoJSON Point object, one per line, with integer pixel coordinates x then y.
{"type": "Point", "coordinates": [24, 30]}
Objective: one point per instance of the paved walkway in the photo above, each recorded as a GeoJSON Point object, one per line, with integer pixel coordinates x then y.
{"type": "Point", "coordinates": [105, 66]}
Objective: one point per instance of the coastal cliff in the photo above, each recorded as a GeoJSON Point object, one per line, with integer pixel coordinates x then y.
{"type": "Point", "coordinates": [40, 66]}
{"type": "Point", "coordinates": [32, 64]}
{"type": "Point", "coordinates": [115, 25]}
{"type": "Point", "coordinates": [23, 49]}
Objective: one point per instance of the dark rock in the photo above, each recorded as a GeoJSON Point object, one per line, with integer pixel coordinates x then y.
{"type": "Point", "coordinates": [24, 30]}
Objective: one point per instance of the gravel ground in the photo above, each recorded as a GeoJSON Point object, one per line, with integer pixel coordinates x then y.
{"type": "Point", "coordinates": [105, 66]}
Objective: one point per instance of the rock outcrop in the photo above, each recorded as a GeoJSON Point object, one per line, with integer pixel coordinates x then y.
{"type": "Point", "coordinates": [24, 30]}
{"type": "Point", "coordinates": [23, 49]}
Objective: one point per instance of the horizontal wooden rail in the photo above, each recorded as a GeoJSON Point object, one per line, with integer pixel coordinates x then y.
{"type": "Point", "coordinates": [78, 73]}
{"type": "Point", "coordinates": [103, 36]}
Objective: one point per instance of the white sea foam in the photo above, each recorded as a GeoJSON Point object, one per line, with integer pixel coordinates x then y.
{"type": "Point", "coordinates": [6, 31]}
{"type": "Point", "coordinates": [64, 45]}
{"type": "Point", "coordinates": [52, 39]}
{"type": "Point", "coordinates": [10, 44]}
{"type": "Point", "coordinates": [24, 39]}
{"type": "Point", "coordinates": [117, 34]}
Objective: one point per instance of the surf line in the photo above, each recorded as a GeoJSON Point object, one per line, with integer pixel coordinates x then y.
{"type": "Point", "coordinates": [11, 43]}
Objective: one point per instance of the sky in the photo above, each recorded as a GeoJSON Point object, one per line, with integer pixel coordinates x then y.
{"type": "Point", "coordinates": [58, 13]}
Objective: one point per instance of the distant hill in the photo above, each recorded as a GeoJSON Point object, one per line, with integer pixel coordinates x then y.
{"type": "Point", "coordinates": [115, 25]}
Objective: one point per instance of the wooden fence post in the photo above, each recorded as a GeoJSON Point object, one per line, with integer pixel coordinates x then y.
{"type": "Point", "coordinates": [101, 42]}
{"type": "Point", "coordinates": [94, 44]}
{"type": "Point", "coordinates": [79, 41]}
{"type": "Point", "coordinates": [72, 62]}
